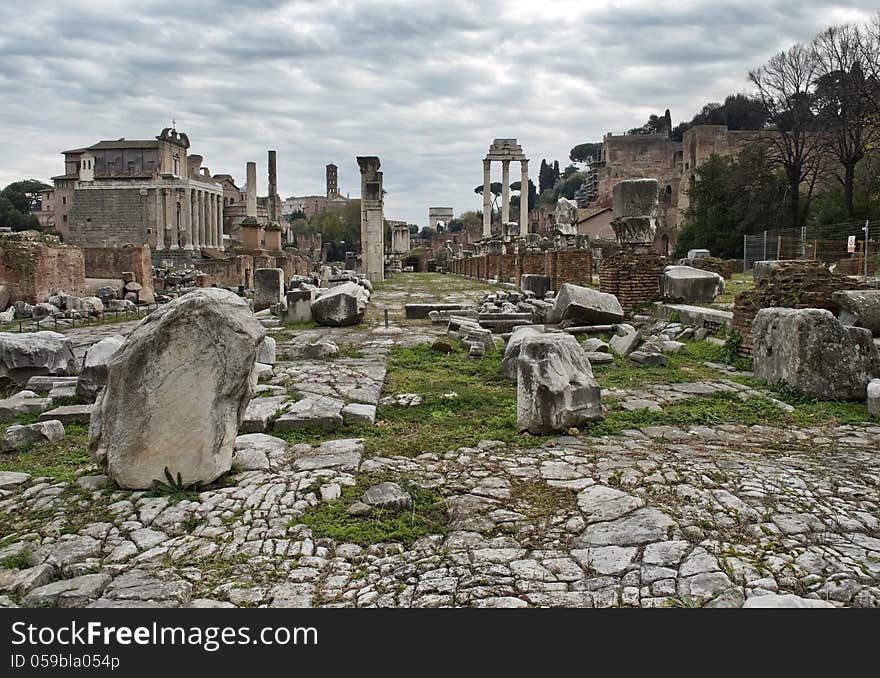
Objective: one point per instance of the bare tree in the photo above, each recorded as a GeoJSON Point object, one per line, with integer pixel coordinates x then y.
{"type": "Point", "coordinates": [785, 87]}
{"type": "Point", "coordinates": [845, 112]}
{"type": "Point", "coordinates": [869, 48]}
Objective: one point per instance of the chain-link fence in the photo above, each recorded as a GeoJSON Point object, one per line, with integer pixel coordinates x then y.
{"type": "Point", "coordinates": [853, 248]}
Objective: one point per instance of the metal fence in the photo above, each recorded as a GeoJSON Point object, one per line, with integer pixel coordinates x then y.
{"type": "Point", "coordinates": [853, 246]}
{"type": "Point", "coordinates": [107, 317]}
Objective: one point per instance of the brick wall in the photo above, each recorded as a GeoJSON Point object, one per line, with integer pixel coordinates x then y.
{"type": "Point", "coordinates": [794, 284]}
{"type": "Point", "coordinates": [570, 266]}
{"type": "Point", "coordinates": [723, 267]}
{"type": "Point", "coordinates": [110, 216]}
{"type": "Point", "coordinates": [230, 272]}
{"type": "Point", "coordinates": [35, 269]}
{"type": "Point", "coordinates": [633, 278]}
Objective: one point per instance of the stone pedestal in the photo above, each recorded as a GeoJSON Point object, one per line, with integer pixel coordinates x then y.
{"type": "Point", "coordinates": [272, 238]}
{"type": "Point", "coordinates": [251, 234]}
{"type": "Point", "coordinates": [268, 287]}
{"type": "Point", "coordinates": [299, 306]}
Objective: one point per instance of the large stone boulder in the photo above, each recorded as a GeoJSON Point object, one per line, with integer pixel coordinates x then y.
{"type": "Point", "coordinates": [177, 391]}
{"type": "Point", "coordinates": [860, 308]}
{"type": "Point", "coordinates": [340, 306]}
{"type": "Point", "coordinates": [811, 351]}
{"type": "Point", "coordinates": [94, 371]}
{"type": "Point", "coordinates": [510, 362]}
{"type": "Point", "coordinates": [585, 306]}
{"type": "Point", "coordinates": [555, 386]}
{"type": "Point", "coordinates": [690, 285]}
{"type": "Point", "coordinates": [19, 437]}
{"type": "Point", "coordinates": [23, 355]}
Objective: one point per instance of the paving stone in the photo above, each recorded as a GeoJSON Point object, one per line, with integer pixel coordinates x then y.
{"type": "Point", "coordinates": [639, 527]}
{"type": "Point", "coordinates": [601, 503]}
{"type": "Point", "coordinates": [312, 412]}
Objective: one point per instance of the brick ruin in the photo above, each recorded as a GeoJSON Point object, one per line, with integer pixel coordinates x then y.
{"type": "Point", "coordinates": [633, 277]}
{"type": "Point", "coordinates": [561, 266]}
{"type": "Point", "coordinates": [723, 267]}
{"type": "Point", "coordinates": [792, 284]}
{"type": "Point", "coordinates": [34, 268]}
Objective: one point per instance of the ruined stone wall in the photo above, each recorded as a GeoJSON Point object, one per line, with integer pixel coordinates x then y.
{"type": "Point", "coordinates": [110, 262]}
{"type": "Point", "coordinates": [508, 268]}
{"type": "Point", "coordinates": [33, 270]}
{"type": "Point", "coordinates": [493, 265]}
{"type": "Point", "coordinates": [112, 216]}
{"type": "Point", "coordinates": [231, 272]}
{"type": "Point", "coordinates": [856, 266]}
{"type": "Point", "coordinates": [633, 278]}
{"type": "Point", "coordinates": [533, 262]}
{"type": "Point", "coordinates": [794, 284]}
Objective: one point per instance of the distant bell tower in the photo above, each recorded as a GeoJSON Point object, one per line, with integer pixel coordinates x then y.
{"type": "Point", "coordinates": [332, 184]}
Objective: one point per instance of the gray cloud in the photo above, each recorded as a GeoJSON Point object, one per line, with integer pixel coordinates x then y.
{"type": "Point", "coordinates": [424, 85]}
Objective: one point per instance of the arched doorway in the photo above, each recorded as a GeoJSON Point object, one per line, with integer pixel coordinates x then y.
{"type": "Point", "coordinates": [664, 245]}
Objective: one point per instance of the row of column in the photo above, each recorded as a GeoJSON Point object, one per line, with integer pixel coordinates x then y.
{"type": "Point", "coordinates": [505, 196]}
{"type": "Point", "coordinates": [188, 218]}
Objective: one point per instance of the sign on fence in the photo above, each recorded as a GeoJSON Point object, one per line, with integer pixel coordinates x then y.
{"type": "Point", "coordinates": [851, 244]}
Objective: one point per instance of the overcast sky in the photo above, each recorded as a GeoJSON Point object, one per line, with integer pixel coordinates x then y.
{"type": "Point", "coordinates": [426, 86]}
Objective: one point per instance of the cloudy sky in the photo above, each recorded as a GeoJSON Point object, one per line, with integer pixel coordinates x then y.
{"type": "Point", "coordinates": [426, 86]}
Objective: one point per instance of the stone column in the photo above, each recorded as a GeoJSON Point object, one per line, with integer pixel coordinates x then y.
{"type": "Point", "coordinates": [220, 222]}
{"type": "Point", "coordinates": [199, 226]}
{"type": "Point", "coordinates": [160, 221]}
{"type": "Point", "coordinates": [524, 198]}
{"type": "Point", "coordinates": [505, 191]}
{"type": "Point", "coordinates": [193, 218]}
{"type": "Point", "coordinates": [214, 220]}
{"type": "Point", "coordinates": [203, 227]}
{"type": "Point", "coordinates": [487, 198]}
{"type": "Point", "coordinates": [273, 187]}
{"type": "Point", "coordinates": [171, 237]}
{"type": "Point", "coordinates": [185, 222]}
{"type": "Point", "coordinates": [212, 215]}
{"type": "Point", "coordinates": [251, 190]}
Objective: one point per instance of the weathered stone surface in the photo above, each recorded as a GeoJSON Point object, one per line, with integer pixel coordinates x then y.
{"type": "Point", "coordinates": [9, 479]}
{"type": "Point", "coordinates": [605, 560]}
{"type": "Point", "coordinates": [323, 348]}
{"type": "Point", "coordinates": [341, 306]}
{"type": "Point", "coordinates": [555, 385]}
{"type": "Point", "coordinates": [69, 414]}
{"type": "Point", "coordinates": [600, 358]}
{"type": "Point", "coordinates": [266, 351]}
{"type": "Point", "coordinates": [177, 391]}
{"type": "Point", "coordinates": [537, 284]}
{"type": "Point", "coordinates": [257, 451]}
{"type": "Point", "coordinates": [787, 600]}
{"type": "Point", "coordinates": [874, 398]}
{"type": "Point", "coordinates": [601, 503]}
{"type": "Point", "coordinates": [313, 411]}
{"type": "Point", "coordinates": [359, 413]}
{"type": "Point", "coordinates": [510, 362]}
{"type": "Point", "coordinates": [389, 496]}
{"type": "Point", "coordinates": [648, 358]}
{"type": "Point", "coordinates": [594, 345]}
{"type": "Point", "coordinates": [17, 437]}
{"type": "Point", "coordinates": [94, 372]}
{"type": "Point", "coordinates": [73, 592]}
{"type": "Point", "coordinates": [584, 305]}
{"type": "Point", "coordinates": [860, 308]}
{"type": "Point", "coordinates": [343, 455]}
{"type": "Point", "coordinates": [808, 349]}
{"type": "Point", "coordinates": [268, 287]}
{"type": "Point", "coordinates": [23, 355]}
{"type": "Point", "coordinates": [258, 413]}
{"type": "Point", "coordinates": [642, 526]}
{"type": "Point", "coordinates": [690, 285]}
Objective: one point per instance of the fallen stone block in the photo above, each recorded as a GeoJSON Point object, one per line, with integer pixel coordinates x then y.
{"type": "Point", "coordinates": [341, 306]}
{"type": "Point", "coordinates": [342, 455]}
{"type": "Point", "coordinates": [555, 385]}
{"type": "Point", "coordinates": [258, 451]}
{"type": "Point", "coordinates": [584, 305]}
{"type": "Point", "coordinates": [538, 285]}
{"type": "Point", "coordinates": [625, 341]}
{"type": "Point", "coordinates": [268, 287]}
{"type": "Point", "coordinates": [874, 398]}
{"type": "Point", "coordinates": [510, 362]}
{"type": "Point", "coordinates": [24, 355]}
{"type": "Point", "coordinates": [647, 359]}
{"type": "Point", "coordinates": [860, 308]}
{"type": "Point", "coordinates": [690, 285]}
{"type": "Point", "coordinates": [266, 351]}
{"type": "Point", "coordinates": [811, 351]}
{"type": "Point", "coordinates": [422, 311]}
{"type": "Point", "coordinates": [359, 413]}
{"type": "Point", "coordinates": [94, 372]}
{"type": "Point", "coordinates": [18, 437]}
{"type": "Point", "coordinates": [600, 358]}
{"type": "Point", "coordinates": [18, 405]}
{"type": "Point", "coordinates": [44, 384]}
{"type": "Point", "coordinates": [68, 414]}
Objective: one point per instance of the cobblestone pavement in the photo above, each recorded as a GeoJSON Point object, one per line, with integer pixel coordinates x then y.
{"type": "Point", "coordinates": [703, 516]}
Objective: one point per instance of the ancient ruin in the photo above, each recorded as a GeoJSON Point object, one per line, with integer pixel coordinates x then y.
{"type": "Point", "coordinates": [505, 151]}
{"type": "Point", "coordinates": [372, 219]}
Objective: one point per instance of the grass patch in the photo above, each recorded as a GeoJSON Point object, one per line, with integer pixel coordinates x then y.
{"type": "Point", "coordinates": [681, 368]}
{"type": "Point", "coordinates": [427, 516]}
{"type": "Point", "coordinates": [538, 501]}
{"type": "Point", "coordinates": [740, 282]}
{"type": "Point", "coordinates": [60, 460]}
{"type": "Point", "coordinates": [485, 408]}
